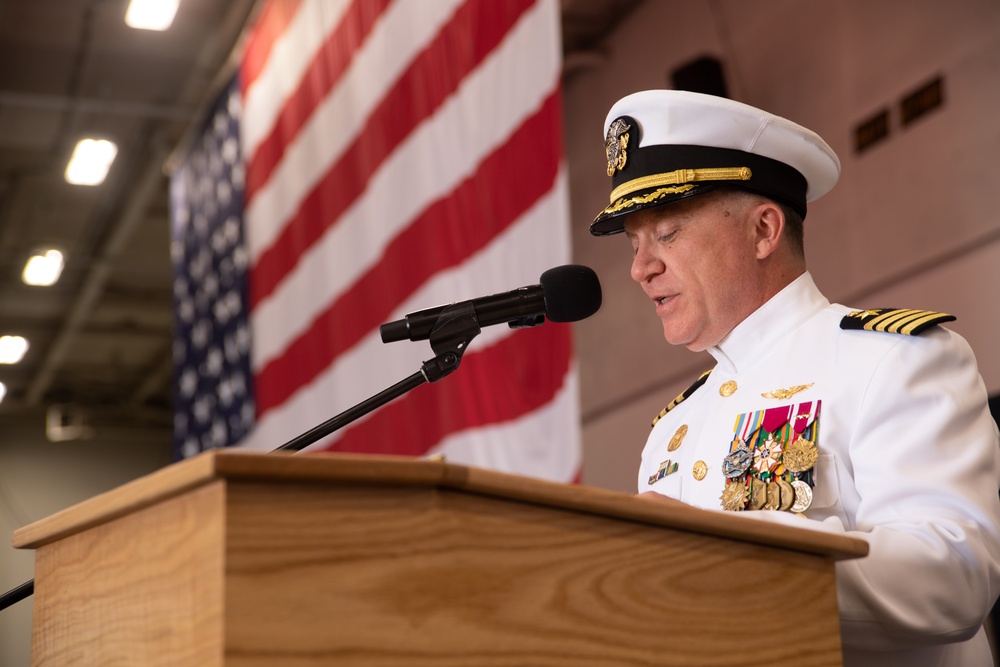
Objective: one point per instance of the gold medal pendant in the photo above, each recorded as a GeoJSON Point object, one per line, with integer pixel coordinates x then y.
{"type": "Point", "coordinates": [773, 501]}
{"type": "Point", "coordinates": [801, 455]}
{"type": "Point", "coordinates": [734, 496]}
{"type": "Point", "coordinates": [786, 495]}
{"type": "Point", "coordinates": [758, 494]}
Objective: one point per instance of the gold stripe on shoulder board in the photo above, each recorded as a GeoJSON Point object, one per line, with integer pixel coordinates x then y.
{"type": "Point", "coordinates": [907, 321]}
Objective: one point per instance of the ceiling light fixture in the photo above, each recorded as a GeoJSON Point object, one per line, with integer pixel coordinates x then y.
{"type": "Point", "coordinates": [43, 268]}
{"type": "Point", "coordinates": [151, 14]}
{"type": "Point", "coordinates": [91, 161]}
{"type": "Point", "coordinates": [12, 349]}
{"type": "Point", "coordinates": [3, 391]}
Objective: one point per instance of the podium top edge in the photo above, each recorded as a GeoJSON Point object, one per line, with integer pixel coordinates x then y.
{"type": "Point", "coordinates": [364, 469]}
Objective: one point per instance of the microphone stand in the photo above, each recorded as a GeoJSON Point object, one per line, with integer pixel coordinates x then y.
{"type": "Point", "coordinates": [456, 327]}
{"type": "Point", "coordinates": [454, 330]}
{"type": "Point", "coordinates": [17, 594]}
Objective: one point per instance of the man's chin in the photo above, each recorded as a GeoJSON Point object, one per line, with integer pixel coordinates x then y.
{"type": "Point", "coordinates": [685, 339]}
{"type": "Point", "coordinates": [675, 337]}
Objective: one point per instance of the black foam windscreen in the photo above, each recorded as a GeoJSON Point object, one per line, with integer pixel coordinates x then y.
{"type": "Point", "coordinates": [572, 292]}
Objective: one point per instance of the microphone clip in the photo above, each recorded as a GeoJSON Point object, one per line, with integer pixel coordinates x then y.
{"type": "Point", "coordinates": [527, 322]}
{"type": "Point", "coordinates": [455, 328]}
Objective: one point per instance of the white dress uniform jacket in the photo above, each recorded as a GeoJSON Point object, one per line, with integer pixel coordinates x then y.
{"type": "Point", "coordinates": [908, 461]}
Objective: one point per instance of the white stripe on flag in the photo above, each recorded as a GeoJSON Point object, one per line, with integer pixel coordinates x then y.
{"type": "Point", "coordinates": [352, 246]}
{"type": "Point", "coordinates": [384, 56]}
{"type": "Point", "coordinates": [289, 60]}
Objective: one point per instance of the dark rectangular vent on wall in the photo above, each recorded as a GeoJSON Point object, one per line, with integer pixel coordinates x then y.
{"type": "Point", "coordinates": [922, 100]}
{"type": "Point", "coordinates": [871, 131]}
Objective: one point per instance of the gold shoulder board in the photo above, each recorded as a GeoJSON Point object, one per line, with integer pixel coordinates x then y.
{"type": "Point", "coordinates": [894, 320]}
{"type": "Point", "coordinates": [681, 397]}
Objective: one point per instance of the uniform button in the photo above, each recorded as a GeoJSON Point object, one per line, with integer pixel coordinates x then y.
{"type": "Point", "coordinates": [699, 470]}
{"type": "Point", "coordinates": [728, 388]}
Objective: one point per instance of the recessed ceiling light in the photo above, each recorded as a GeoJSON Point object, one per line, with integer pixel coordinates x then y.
{"type": "Point", "coordinates": [43, 268]}
{"type": "Point", "coordinates": [12, 349]}
{"type": "Point", "coordinates": [90, 161]}
{"type": "Point", "coordinates": [151, 14]}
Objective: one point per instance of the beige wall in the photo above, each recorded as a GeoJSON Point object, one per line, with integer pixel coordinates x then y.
{"type": "Point", "coordinates": [39, 478]}
{"type": "Point", "coordinates": [912, 222]}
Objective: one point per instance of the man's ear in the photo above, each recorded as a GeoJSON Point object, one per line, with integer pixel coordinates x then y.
{"type": "Point", "coordinates": [769, 226]}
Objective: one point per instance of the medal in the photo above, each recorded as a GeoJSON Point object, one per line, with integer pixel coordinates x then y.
{"type": "Point", "coordinates": [801, 455]}
{"type": "Point", "coordinates": [773, 501]}
{"type": "Point", "coordinates": [758, 494]}
{"type": "Point", "coordinates": [803, 496]}
{"type": "Point", "coordinates": [737, 462]}
{"type": "Point", "coordinates": [767, 456]}
{"type": "Point", "coordinates": [734, 496]}
{"type": "Point", "coordinates": [787, 495]}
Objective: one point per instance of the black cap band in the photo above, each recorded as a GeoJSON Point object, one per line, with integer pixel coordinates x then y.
{"type": "Point", "coordinates": [660, 174]}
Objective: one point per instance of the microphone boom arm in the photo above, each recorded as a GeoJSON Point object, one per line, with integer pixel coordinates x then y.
{"type": "Point", "coordinates": [456, 327]}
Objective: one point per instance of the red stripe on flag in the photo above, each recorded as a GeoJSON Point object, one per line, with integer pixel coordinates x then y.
{"type": "Point", "coordinates": [468, 219]}
{"type": "Point", "coordinates": [322, 75]}
{"type": "Point", "coordinates": [516, 376]}
{"type": "Point", "coordinates": [475, 30]}
{"type": "Point", "coordinates": [273, 21]}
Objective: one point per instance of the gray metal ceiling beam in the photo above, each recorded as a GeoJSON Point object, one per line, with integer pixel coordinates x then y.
{"type": "Point", "coordinates": [95, 106]}
{"type": "Point", "coordinates": [97, 276]}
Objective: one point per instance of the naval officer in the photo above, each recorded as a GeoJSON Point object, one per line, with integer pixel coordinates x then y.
{"type": "Point", "coordinates": [869, 422]}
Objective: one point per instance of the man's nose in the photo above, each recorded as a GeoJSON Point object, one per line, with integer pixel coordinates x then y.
{"type": "Point", "coordinates": [645, 264]}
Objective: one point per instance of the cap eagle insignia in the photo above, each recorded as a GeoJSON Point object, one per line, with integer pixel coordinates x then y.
{"type": "Point", "coordinates": [615, 144]}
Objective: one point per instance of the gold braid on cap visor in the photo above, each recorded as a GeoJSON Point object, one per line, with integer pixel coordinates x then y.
{"type": "Point", "coordinates": [680, 177]}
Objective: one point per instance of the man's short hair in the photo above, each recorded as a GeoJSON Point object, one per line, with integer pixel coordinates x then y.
{"type": "Point", "coordinates": [794, 225]}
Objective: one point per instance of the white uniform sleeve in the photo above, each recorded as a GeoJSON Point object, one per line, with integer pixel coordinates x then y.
{"type": "Point", "coordinates": [926, 463]}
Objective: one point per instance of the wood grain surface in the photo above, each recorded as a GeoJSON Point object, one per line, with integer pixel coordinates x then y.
{"type": "Point", "coordinates": [145, 589]}
{"type": "Point", "coordinates": [441, 577]}
{"type": "Point", "coordinates": [244, 559]}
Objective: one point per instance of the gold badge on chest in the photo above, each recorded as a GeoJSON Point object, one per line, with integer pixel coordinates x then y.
{"type": "Point", "coordinates": [785, 394]}
{"type": "Point", "coordinates": [678, 438]}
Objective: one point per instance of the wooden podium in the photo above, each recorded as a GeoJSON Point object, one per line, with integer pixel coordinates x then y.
{"type": "Point", "coordinates": [235, 558]}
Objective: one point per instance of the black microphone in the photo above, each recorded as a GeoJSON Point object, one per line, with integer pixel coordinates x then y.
{"type": "Point", "coordinates": [565, 294]}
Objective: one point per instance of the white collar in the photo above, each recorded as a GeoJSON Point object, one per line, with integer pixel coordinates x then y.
{"type": "Point", "coordinates": [762, 329]}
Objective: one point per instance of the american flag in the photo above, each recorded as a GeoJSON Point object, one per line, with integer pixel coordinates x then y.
{"type": "Point", "coordinates": [213, 384]}
{"type": "Point", "coordinates": [398, 154]}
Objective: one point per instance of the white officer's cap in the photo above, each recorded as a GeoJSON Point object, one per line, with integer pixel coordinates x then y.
{"type": "Point", "coordinates": [666, 145]}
